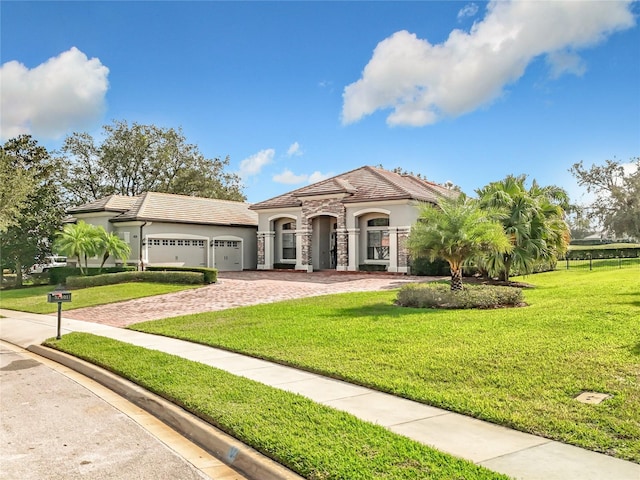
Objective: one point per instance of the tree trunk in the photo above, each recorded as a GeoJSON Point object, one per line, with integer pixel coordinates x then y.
{"type": "Point", "coordinates": [456, 280]}
{"type": "Point", "coordinates": [507, 268]}
{"type": "Point", "coordinates": [18, 274]}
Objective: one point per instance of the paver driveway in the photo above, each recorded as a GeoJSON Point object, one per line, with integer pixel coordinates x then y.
{"type": "Point", "coordinates": [235, 289]}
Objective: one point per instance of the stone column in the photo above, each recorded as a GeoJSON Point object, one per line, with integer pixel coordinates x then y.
{"type": "Point", "coordinates": [403, 251]}
{"type": "Point", "coordinates": [304, 259]}
{"type": "Point", "coordinates": [265, 250]}
{"type": "Point", "coordinates": [342, 263]}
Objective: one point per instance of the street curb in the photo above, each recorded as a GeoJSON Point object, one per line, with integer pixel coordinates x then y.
{"type": "Point", "coordinates": [229, 450]}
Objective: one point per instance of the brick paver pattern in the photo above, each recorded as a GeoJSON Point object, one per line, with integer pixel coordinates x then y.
{"type": "Point", "coordinates": [236, 289]}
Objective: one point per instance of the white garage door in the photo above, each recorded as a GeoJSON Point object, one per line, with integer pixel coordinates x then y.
{"type": "Point", "coordinates": [177, 252]}
{"type": "Point", "coordinates": [227, 255]}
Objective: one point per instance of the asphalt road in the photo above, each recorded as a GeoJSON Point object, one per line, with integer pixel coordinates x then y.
{"type": "Point", "coordinates": [54, 428]}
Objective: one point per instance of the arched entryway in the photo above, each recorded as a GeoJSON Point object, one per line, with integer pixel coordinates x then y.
{"type": "Point", "coordinates": [324, 242]}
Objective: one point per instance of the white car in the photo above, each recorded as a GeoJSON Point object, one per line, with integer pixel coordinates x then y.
{"type": "Point", "coordinates": [49, 262]}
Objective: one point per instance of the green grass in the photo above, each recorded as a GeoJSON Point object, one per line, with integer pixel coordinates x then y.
{"type": "Point", "coordinates": [314, 440]}
{"type": "Point", "coordinates": [518, 367]}
{"type": "Point", "coordinates": [609, 263]}
{"type": "Point", "coordinates": [609, 246]}
{"type": "Point", "coordinates": [34, 299]}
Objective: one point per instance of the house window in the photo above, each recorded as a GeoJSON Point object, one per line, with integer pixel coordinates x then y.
{"type": "Point", "coordinates": [288, 241]}
{"type": "Point", "coordinates": [378, 239]}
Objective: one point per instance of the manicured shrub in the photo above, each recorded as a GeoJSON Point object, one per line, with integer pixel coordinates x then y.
{"type": "Point", "coordinates": [284, 266]}
{"type": "Point", "coordinates": [423, 267]}
{"type": "Point", "coordinates": [210, 274]}
{"type": "Point", "coordinates": [439, 295]}
{"type": "Point", "coordinates": [188, 278]}
{"type": "Point", "coordinates": [58, 275]}
{"type": "Point", "coordinates": [367, 267]}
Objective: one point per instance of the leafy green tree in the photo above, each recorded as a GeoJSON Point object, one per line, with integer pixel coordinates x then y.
{"type": "Point", "coordinates": [533, 220]}
{"type": "Point", "coordinates": [16, 184]}
{"type": "Point", "coordinates": [81, 240]}
{"type": "Point", "coordinates": [112, 245]}
{"type": "Point", "coordinates": [457, 231]}
{"type": "Point", "coordinates": [617, 202]}
{"type": "Point", "coordinates": [136, 158]}
{"type": "Point", "coordinates": [38, 217]}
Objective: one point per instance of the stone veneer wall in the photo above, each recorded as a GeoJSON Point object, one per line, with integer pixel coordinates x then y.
{"type": "Point", "coordinates": [260, 248]}
{"type": "Point", "coordinates": [334, 206]}
{"type": "Point", "coordinates": [403, 251]}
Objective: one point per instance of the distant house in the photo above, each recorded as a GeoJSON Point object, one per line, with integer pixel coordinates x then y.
{"type": "Point", "coordinates": [359, 220]}
{"type": "Point", "coordinates": [177, 230]}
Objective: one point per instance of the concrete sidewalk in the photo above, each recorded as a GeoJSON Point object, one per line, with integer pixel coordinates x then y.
{"type": "Point", "coordinates": [514, 453]}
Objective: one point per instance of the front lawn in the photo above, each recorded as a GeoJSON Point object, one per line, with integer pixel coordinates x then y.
{"type": "Point", "coordinates": [34, 299]}
{"type": "Point", "coordinates": [314, 440]}
{"type": "Point", "coordinates": [519, 367]}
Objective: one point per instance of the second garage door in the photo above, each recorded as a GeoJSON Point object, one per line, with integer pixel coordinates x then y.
{"type": "Point", "coordinates": [227, 255]}
{"type": "Point", "coordinates": [174, 251]}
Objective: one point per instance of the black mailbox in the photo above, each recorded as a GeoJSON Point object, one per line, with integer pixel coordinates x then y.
{"type": "Point", "coordinates": [58, 296]}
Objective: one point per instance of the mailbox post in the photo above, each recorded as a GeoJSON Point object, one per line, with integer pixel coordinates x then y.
{"type": "Point", "coordinates": [58, 296]}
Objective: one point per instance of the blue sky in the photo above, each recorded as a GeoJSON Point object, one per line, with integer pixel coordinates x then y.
{"type": "Point", "coordinates": [294, 92]}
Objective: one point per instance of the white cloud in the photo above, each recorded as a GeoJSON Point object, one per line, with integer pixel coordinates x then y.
{"type": "Point", "coordinates": [253, 165]}
{"type": "Point", "coordinates": [422, 82]}
{"type": "Point", "coordinates": [318, 176]}
{"type": "Point", "coordinates": [468, 10]}
{"type": "Point", "coordinates": [294, 149]}
{"type": "Point", "coordinates": [565, 62]}
{"type": "Point", "coordinates": [65, 92]}
{"type": "Point", "coordinates": [290, 178]}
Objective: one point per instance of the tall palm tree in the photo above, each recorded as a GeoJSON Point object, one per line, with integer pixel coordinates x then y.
{"type": "Point", "coordinates": [533, 220]}
{"type": "Point", "coordinates": [456, 230]}
{"type": "Point", "coordinates": [78, 240]}
{"type": "Point", "coordinates": [113, 246]}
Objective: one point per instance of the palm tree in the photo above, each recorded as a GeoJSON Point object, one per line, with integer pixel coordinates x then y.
{"type": "Point", "coordinates": [456, 230]}
{"type": "Point", "coordinates": [532, 219]}
{"type": "Point", "coordinates": [78, 240]}
{"type": "Point", "coordinates": [112, 245]}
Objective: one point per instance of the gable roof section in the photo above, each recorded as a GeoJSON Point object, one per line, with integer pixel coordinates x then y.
{"type": "Point", "coordinates": [112, 203]}
{"type": "Point", "coordinates": [170, 208]}
{"type": "Point", "coordinates": [364, 184]}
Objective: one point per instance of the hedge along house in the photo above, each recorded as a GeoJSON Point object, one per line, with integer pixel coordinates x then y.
{"type": "Point", "coordinates": [359, 220]}
{"type": "Point", "coordinates": [176, 230]}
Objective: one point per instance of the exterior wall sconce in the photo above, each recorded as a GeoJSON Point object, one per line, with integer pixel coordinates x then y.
{"type": "Point", "coordinates": [211, 243]}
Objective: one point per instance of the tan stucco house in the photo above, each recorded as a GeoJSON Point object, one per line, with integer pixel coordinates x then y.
{"type": "Point", "coordinates": [359, 220]}
{"type": "Point", "coordinates": [176, 230]}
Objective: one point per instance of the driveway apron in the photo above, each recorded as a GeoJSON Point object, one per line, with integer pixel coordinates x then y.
{"type": "Point", "coordinates": [237, 289]}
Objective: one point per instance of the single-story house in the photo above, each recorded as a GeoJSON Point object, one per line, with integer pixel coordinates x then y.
{"type": "Point", "coordinates": [358, 220]}
{"type": "Point", "coordinates": [177, 230]}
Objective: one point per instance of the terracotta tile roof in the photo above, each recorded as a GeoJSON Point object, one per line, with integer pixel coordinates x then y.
{"type": "Point", "coordinates": [364, 184]}
{"type": "Point", "coordinates": [166, 207]}
{"type": "Point", "coordinates": [112, 203]}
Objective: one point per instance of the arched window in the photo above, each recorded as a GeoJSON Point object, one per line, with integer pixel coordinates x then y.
{"type": "Point", "coordinates": [288, 241]}
{"type": "Point", "coordinates": [378, 238]}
